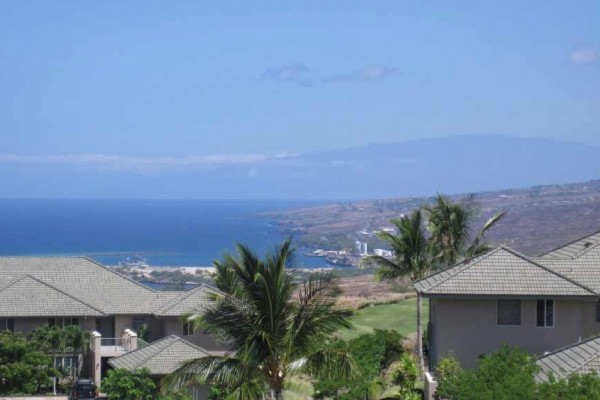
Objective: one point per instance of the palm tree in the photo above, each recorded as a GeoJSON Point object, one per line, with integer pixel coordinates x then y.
{"type": "Point", "coordinates": [76, 340]}
{"type": "Point", "coordinates": [50, 340]}
{"type": "Point", "coordinates": [273, 326]}
{"type": "Point", "coordinates": [412, 259]}
{"type": "Point", "coordinates": [450, 225]}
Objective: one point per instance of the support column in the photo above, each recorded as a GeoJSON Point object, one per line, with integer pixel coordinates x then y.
{"type": "Point", "coordinates": [96, 357]}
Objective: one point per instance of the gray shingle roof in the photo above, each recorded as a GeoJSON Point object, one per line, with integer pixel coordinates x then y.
{"type": "Point", "coordinates": [501, 272]}
{"type": "Point", "coordinates": [187, 301]}
{"type": "Point", "coordinates": [582, 357]}
{"type": "Point", "coordinates": [161, 357]}
{"type": "Point", "coordinates": [572, 250]}
{"type": "Point", "coordinates": [28, 296]}
{"type": "Point", "coordinates": [585, 268]}
{"type": "Point", "coordinates": [85, 282]}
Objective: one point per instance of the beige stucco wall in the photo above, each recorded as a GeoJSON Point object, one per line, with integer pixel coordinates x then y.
{"type": "Point", "coordinates": [589, 326]}
{"type": "Point", "coordinates": [122, 322]}
{"type": "Point", "coordinates": [27, 324]}
{"type": "Point", "coordinates": [174, 326]}
{"type": "Point", "coordinates": [468, 329]}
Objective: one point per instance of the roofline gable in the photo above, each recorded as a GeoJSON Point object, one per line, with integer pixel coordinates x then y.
{"type": "Point", "coordinates": [466, 263]}
{"type": "Point", "coordinates": [474, 261]}
{"type": "Point", "coordinates": [25, 276]}
{"type": "Point", "coordinates": [570, 243]}
{"type": "Point", "coordinates": [174, 339]}
{"type": "Point", "coordinates": [524, 257]}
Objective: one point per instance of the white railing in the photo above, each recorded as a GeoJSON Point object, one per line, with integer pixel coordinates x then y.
{"type": "Point", "coordinates": [113, 345]}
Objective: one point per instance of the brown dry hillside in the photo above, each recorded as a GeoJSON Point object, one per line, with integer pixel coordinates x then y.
{"type": "Point", "coordinates": [539, 218]}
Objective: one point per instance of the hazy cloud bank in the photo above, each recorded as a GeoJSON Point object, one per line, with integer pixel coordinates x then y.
{"type": "Point", "coordinates": [299, 73]}
{"type": "Point", "coordinates": [585, 56]}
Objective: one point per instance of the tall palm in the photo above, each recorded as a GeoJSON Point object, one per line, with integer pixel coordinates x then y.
{"type": "Point", "coordinates": [412, 259]}
{"type": "Point", "coordinates": [450, 225]}
{"type": "Point", "coordinates": [273, 326]}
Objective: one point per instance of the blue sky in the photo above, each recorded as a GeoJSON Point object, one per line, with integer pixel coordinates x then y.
{"type": "Point", "coordinates": [227, 81]}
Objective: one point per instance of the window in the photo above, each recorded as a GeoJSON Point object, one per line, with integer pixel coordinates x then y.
{"type": "Point", "coordinates": [7, 324]}
{"type": "Point", "coordinates": [63, 363]}
{"type": "Point", "coordinates": [508, 312]}
{"type": "Point", "coordinates": [598, 311]}
{"type": "Point", "coordinates": [62, 322]}
{"type": "Point", "coordinates": [545, 313]}
{"type": "Point", "coordinates": [137, 323]}
{"type": "Point", "coordinates": [188, 328]}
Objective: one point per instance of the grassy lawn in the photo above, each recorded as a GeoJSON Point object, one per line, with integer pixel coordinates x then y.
{"type": "Point", "coordinates": [401, 317]}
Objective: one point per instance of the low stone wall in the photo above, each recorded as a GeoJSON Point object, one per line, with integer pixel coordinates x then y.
{"type": "Point", "coordinates": [429, 386]}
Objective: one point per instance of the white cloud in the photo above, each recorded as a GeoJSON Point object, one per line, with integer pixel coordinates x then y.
{"type": "Point", "coordinates": [295, 73]}
{"type": "Point", "coordinates": [585, 56]}
{"type": "Point", "coordinates": [139, 163]}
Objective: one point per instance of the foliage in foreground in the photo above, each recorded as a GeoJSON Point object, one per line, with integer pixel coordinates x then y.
{"type": "Point", "coordinates": [123, 384]}
{"type": "Point", "coordinates": [373, 355]}
{"type": "Point", "coordinates": [23, 369]}
{"type": "Point", "coordinates": [54, 340]}
{"type": "Point", "coordinates": [510, 374]}
{"type": "Point", "coordinates": [273, 326]}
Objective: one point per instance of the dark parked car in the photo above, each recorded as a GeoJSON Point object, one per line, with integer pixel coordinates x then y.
{"type": "Point", "coordinates": [83, 389]}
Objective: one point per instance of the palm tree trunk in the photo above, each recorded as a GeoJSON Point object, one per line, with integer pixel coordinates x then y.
{"type": "Point", "coordinates": [420, 334]}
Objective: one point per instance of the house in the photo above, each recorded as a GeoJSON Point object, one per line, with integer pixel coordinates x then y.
{"type": "Point", "coordinates": [539, 304]}
{"type": "Point", "coordinates": [161, 358]}
{"type": "Point", "coordinates": [35, 291]}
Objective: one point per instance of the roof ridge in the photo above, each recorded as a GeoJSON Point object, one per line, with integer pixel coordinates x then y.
{"type": "Point", "coordinates": [17, 279]}
{"type": "Point", "coordinates": [524, 257]}
{"type": "Point", "coordinates": [138, 364]}
{"type": "Point", "coordinates": [187, 342]}
{"type": "Point", "coordinates": [161, 350]}
{"type": "Point", "coordinates": [467, 264]}
{"type": "Point", "coordinates": [53, 288]}
{"type": "Point", "coordinates": [568, 244]}
{"type": "Point", "coordinates": [176, 300]}
{"type": "Point", "coordinates": [118, 274]}
{"type": "Point", "coordinates": [184, 295]}
{"type": "Point", "coordinates": [43, 256]}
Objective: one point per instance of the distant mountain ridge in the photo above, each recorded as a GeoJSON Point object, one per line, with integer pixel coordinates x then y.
{"type": "Point", "coordinates": [450, 164]}
{"type": "Point", "coordinates": [470, 163]}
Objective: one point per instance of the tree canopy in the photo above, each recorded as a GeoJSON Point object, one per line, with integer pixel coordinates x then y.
{"type": "Point", "coordinates": [273, 326]}
{"type": "Point", "coordinates": [23, 368]}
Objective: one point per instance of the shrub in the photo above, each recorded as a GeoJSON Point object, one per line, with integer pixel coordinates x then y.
{"type": "Point", "coordinates": [123, 384]}
{"type": "Point", "coordinates": [405, 372]}
{"type": "Point", "coordinates": [23, 369]}
{"type": "Point", "coordinates": [505, 375]}
{"type": "Point", "coordinates": [574, 387]}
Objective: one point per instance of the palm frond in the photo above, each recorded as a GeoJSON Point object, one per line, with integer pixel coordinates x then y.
{"type": "Point", "coordinates": [479, 246]}
{"type": "Point", "coordinates": [330, 363]}
{"type": "Point", "coordinates": [317, 315]}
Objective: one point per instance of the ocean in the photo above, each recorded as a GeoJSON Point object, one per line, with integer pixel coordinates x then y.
{"type": "Point", "coordinates": [164, 232]}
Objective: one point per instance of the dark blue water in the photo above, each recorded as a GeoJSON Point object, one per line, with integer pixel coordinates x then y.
{"type": "Point", "coordinates": [165, 232]}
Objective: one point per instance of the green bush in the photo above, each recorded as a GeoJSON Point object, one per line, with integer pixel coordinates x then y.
{"type": "Point", "coordinates": [405, 372]}
{"type": "Point", "coordinates": [23, 369]}
{"type": "Point", "coordinates": [372, 354]}
{"type": "Point", "coordinates": [574, 387]}
{"type": "Point", "coordinates": [446, 370]}
{"type": "Point", "coordinates": [123, 384]}
{"type": "Point", "coordinates": [505, 375]}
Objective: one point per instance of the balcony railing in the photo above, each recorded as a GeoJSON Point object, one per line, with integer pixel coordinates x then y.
{"type": "Point", "coordinates": [114, 345]}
